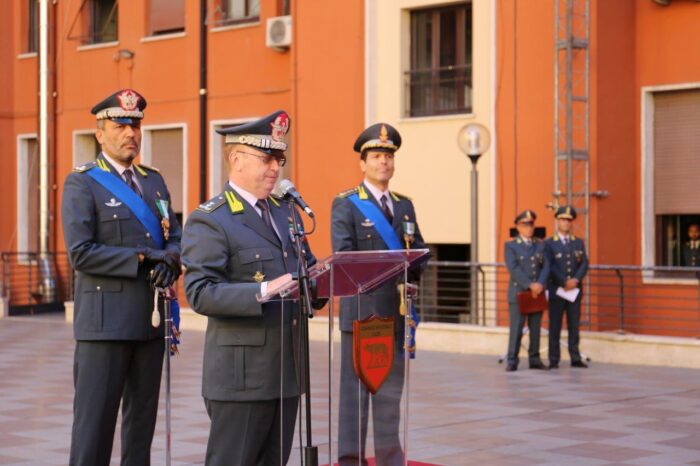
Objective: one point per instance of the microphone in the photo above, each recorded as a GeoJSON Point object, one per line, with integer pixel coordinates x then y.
{"type": "Point", "coordinates": [287, 188]}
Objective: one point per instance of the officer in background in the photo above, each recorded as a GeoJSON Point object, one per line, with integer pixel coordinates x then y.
{"type": "Point", "coordinates": [569, 264]}
{"type": "Point", "coordinates": [351, 230]}
{"type": "Point", "coordinates": [691, 249]}
{"type": "Point", "coordinates": [529, 269]}
{"type": "Point", "coordinates": [235, 247]}
{"type": "Point", "coordinates": [122, 239]}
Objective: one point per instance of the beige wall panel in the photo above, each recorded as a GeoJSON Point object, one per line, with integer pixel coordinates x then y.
{"type": "Point", "coordinates": [430, 167]}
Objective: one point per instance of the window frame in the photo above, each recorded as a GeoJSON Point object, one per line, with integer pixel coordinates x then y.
{"type": "Point", "coordinates": [462, 8]}
{"type": "Point", "coordinates": [22, 187]}
{"type": "Point", "coordinates": [91, 35]}
{"type": "Point", "coordinates": [146, 156]}
{"type": "Point", "coordinates": [648, 215]}
{"type": "Point", "coordinates": [221, 19]}
{"type": "Point", "coordinates": [167, 33]}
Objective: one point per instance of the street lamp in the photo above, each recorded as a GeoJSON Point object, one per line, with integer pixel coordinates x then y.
{"type": "Point", "coordinates": [474, 139]}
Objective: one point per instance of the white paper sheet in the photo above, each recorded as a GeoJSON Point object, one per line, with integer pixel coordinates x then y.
{"type": "Point", "coordinates": [570, 295]}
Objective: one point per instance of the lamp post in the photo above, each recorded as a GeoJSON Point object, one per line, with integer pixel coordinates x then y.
{"type": "Point", "coordinates": [474, 139]}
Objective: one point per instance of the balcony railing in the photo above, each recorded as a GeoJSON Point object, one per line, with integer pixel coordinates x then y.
{"type": "Point", "coordinates": [438, 91]}
{"type": "Point", "coordinates": [615, 298]}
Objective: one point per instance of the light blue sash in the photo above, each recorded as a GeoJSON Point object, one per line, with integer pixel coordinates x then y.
{"type": "Point", "coordinates": [135, 203]}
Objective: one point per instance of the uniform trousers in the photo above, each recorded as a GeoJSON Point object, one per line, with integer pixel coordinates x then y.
{"type": "Point", "coordinates": [251, 433]}
{"type": "Point", "coordinates": [105, 373]}
{"type": "Point", "coordinates": [557, 308]}
{"type": "Point", "coordinates": [517, 321]}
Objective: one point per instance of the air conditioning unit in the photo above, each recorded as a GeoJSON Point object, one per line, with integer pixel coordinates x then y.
{"type": "Point", "coordinates": [279, 32]}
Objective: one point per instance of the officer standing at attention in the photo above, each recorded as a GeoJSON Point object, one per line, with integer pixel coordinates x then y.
{"type": "Point", "coordinates": [122, 239]}
{"type": "Point", "coordinates": [353, 229]}
{"type": "Point", "coordinates": [691, 249]}
{"type": "Point", "coordinates": [529, 269]}
{"type": "Point", "coordinates": [569, 265]}
{"type": "Point", "coordinates": [235, 247]}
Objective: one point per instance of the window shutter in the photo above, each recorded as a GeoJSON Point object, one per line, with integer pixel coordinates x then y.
{"type": "Point", "coordinates": [167, 16]}
{"type": "Point", "coordinates": [677, 152]}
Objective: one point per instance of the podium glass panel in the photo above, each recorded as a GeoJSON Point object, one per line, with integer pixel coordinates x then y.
{"type": "Point", "coordinates": [361, 387]}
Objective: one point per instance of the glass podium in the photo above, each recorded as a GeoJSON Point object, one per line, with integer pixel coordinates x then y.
{"type": "Point", "coordinates": [360, 384]}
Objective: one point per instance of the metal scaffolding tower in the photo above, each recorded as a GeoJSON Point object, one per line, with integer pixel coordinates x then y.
{"type": "Point", "coordinates": [571, 108]}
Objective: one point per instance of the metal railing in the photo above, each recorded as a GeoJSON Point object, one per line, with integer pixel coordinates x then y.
{"type": "Point", "coordinates": [616, 298]}
{"type": "Point", "coordinates": [438, 91]}
{"type": "Point", "coordinates": [31, 281]}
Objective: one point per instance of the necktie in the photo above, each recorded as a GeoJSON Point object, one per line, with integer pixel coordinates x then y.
{"type": "Point", "coordinates": [564, 240]}
{"type": "Point", "coordinates": [129, 178]}
{"type": "Point", "coordinates": [265, 210]}
{"type": "Point", "coordinates": [385, 208]}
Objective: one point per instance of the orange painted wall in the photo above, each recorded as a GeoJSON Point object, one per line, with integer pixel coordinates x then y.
{"type": "Point", "coordinates": [319, 81]}
{"type": "Point", "coordinates": [524, 113]}
{"type": "Point", "coordinates": [329, 106]}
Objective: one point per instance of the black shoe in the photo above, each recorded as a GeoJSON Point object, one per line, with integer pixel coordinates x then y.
{"type": "Point", "coordinates": [579, 363]}
{"type": "Point", "coordinates": [539, 365]}
{"type": "Point", "coordinates": [554, 365]}
{"type": "Point", "coordinates": [511, 368]}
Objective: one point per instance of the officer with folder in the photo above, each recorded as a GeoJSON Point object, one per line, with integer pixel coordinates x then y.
{"type": "Point", "coordinates": [569, 265]}
{"type": "Point", "coordinates": [122, 239]}
{"type": "Point", "coordinates": [529, 269]}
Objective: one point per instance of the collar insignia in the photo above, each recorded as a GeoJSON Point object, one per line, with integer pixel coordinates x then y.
{"type": "Point", "coordinates": [234, 204]}
{"type": "Point", "coordinates": [361, 193]}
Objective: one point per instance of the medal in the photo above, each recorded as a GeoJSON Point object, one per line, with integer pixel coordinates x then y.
{"type": "Point", "coordinates": [259, 276]}
{"type": "Point", "coordinates": [165, 217]}
{"type": "Point", "coordinates": [165, 223]}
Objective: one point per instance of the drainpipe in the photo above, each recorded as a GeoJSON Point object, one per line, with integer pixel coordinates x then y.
{"type": "Point", "coordinates": [203, 101]}
{"type": "Point", "coordinates": [47, 285]}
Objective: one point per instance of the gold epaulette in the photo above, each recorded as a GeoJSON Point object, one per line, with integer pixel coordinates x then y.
{"type": "Point", "coordinates": [140, 168]}
{"type": "Point", "coordinates": [212, 204]}
{"type": "Point", "coordinates": [275, 199]}
{"type": "Point", "coordinates": [349, 192]}
{"type": "Point", "coordinates": [396, 195]}
{"type": "Point", "coordinates": [85, 167]}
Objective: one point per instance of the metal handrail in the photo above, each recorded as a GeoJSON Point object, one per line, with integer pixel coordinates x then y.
{"type": "Point", "coordinates": [626, 294]}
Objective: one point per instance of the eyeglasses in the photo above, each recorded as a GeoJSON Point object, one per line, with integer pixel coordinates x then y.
{"type": "Point", "coordinates": [268, 158]}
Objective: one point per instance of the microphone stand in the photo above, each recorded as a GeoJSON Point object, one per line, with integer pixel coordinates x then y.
{"type": "Point", "coordinates": [306, 311]}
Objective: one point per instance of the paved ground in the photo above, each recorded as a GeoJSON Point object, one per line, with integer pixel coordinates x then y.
{"type": "Point", "coordinates": [465, 410]}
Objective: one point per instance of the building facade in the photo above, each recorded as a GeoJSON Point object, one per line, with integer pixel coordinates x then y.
{"type": "Point", "coordinates": [428, 67]}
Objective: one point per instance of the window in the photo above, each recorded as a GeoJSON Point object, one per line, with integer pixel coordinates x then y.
{"type": "Point", "coordinates": [28, 194]}
{"type": "Point", "coordinates": [283, 7]}
{"type": "Point", "coordinates": [164, 149]}
{"type": "Point", "coordinates": [85, 147]}
{"type": "Point", "coordinates": [102, 19]}
{"type": "Point", "coordinates": [440, 79]}
{"type": "Point", "coordinates": [676, 135]}
{"type": "Point", "coordinates": [32, 33]}
{"type": "Point", "coordinates": [166, 17]}
{"type": "Point", "coordinates": [236, 11]}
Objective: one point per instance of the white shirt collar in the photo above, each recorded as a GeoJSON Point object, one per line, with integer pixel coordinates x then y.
{"type": "Point", "coordinates": [117, 166]}
{"type": "Point", "coordinates": [249, 197]}
{"type": "Point", "coordinates": [526, 240]}
{"type": "Point", "coordinates": [378, 194]}
{"type": "Point", "coordinates": [564, 236]}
